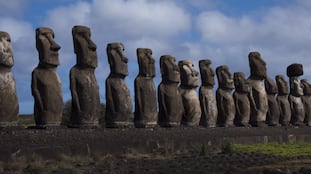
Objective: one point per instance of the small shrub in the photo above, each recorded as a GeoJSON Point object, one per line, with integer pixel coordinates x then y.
{"type": "Point", "coordinates": [227, 148]}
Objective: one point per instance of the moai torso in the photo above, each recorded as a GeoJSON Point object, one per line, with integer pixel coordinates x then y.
{"type": "Point", "coordinates": [8, 97]}
{"type": "Point", "coordinates": [306, 99]}
{"type": "Point", "coordinates": [241, 99]}
{"type": "Point", "coordinates": [119, 103]}
{"type": "Point", "coordinates": [146, 114]}
{"type": "Point", "coordinates": [189, 83]}
{"type": "Point", "coordinates": [46, 85]}
{"type": "Point", "coordinates": [225, 102]}
{"type": "Point", "coordinates": [83, 84]}
{"type": "Point", "coordinates": [282, 98]}
{"type": "Point", "coordinates": [206, 95]}
{"type": "Point", "coordinates": [273, 114]}
{"type": "Point", "coordinates": [170, 101]}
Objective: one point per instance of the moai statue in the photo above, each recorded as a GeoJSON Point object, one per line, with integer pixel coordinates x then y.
{"type": "Point", "coordinates": [8, 98]}
{"type": "Point", "coordinates": [306, 99]}
{"type": "Point", "coordinates": [206, 95]}
{"type": "Point", "coordinates": [46, 85]}
{"type": "Point", "coordinates": [273, 114]}
{"type": "Point", "coordinates": [83, 85]}
{"type": "Point", "coordinates": [119, 103]}
{"type": "Point", "coordinates": [170, 102]}
{"type": "Point", "coordinates": [282, 98]}
{"type": "Point", "coordinates": [225, 102]}
{"type": "Point", "coordinates": [258, 73]}
{"type": "Point", "coordinates": [189, 82]}
{"type": "Point", "coordinates": [146, 114]}
{"type": "Point", "coordinates": [241, 98]}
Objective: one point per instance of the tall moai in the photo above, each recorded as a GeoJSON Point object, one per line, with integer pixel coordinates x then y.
{"type": "Point", "coordinates": [306, 99]}
{"type": "Point", "coordinates": [8, 98]}
{"type": "Point", "coordinates": [189, 82]}
{"type": "Point", "coordinates": [170, 102]}
{"type": "Point", "coordinates": [241, 98]}
{"type": "Point", "coordinates": [225, 102]}
{"type": "Point", "coordinates": [46, 85]}
{"type": "Point", "coordinates": [282, 98]}
{"type": "Point", "coordinates": [83, 84]}
{"type": "Point", "coordinates": [295, 95]}
{"type": "Point", "coordinates": [206, 95]}
{"type": "Point", "coordinates": [118, 99]}
{"type": "Point", "coordinates": [145, 114]}
{"type": "Point", "coordinates": [273, 114]}
{"type": "Point", "coordinates": [258, 72]}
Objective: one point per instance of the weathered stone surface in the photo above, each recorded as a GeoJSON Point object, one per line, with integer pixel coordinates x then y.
{"type": "Point", "coordinates": [282, 98]}
{"type": "Point", "coordinates": [146, 114]}
{"type": "Point", "coordinates": [206, 95]}
{"type": "Point", "coordinates": [273, 114]}
{"type": "Point", "coordinates": [189, 82]}
{"type": "Point", "coordinates": [118, 99]}
{"type": "Point", "coordinates": [241, 97]}
{"type": "Point", "coordinates": [46, 85]}
{"type": "Point", "coordinates": [306, 99]}
{"type": "Point", "coordinates": [8, 98]}
{"type": "Point", "coordinates": [225, 102]}
{"type": "Point", "coordinates": [170, 101]}
{"type": "Point", "coordinates": [83, 84]}
{"type": "Point", "coordinates": [258, 93]}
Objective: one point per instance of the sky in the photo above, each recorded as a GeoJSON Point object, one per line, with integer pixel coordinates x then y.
{"type": "Point", "coordinates": [224, 31]}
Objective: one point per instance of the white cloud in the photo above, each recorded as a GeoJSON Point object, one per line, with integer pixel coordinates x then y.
{"type": "Point", "coordinates": [12, 7]}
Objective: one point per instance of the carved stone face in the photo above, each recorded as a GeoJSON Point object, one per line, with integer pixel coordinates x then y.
{"type": "Point", "coordinates": [47, 47]}
{"type": "Point", "coordinates": [207, 73]}
{"type": "Point", "coordinates": [6, 50]}
{"type": "Point", "coordinates": [240, 83]}
{"type": "Point", "coordinates": [281, 84]}
{"type": "Point", "coordinates": [257, 66]}
{"type": "Point", "coordinates": [169, 69]}
{"type": "Point", "coordinates": [117, 60]}
{"type": "Point", "coordinates": [296, 88]}
{"type": "Point", "coordinates": [189, 76]}
{"type": "Point", "coordinates": [145, 62]}
{"type": "Point", "coordinates": [270, 86]}
{"type": "Point", "coordinates": [84, 47]}
{"type": "Point", "coordinates": [225, 79]}
{"type": "Point", "coordinates": [306, 87]}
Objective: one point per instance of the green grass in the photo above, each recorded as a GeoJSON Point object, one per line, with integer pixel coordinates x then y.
{"type": "Point", "coordinates": [26, 120]}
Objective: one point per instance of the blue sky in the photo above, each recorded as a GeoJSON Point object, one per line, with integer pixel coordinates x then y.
{"type": "Point", "coordinates": [224, 31]}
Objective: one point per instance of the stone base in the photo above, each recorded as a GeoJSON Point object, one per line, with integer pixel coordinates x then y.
{"type": "Point", "coordinates": [169, 124]}
{"type": "Point", "coordinates": [120, 124]}
{"type": "Point", "coordinates": [139, 124]}
{"type": "Point", "coordinates": [93, 124]}
{"type": "Point", "coordinates": [8, 124]}
{"type": "Point", "coordinates": [259, 124]}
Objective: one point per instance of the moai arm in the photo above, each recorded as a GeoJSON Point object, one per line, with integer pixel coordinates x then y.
{"type": "Point", "coordinates": [109, 97]}
{"type": "Point", "coordinates": [237, 107]}
{"type": "Point", "coordinates": [75, 99]}
{"type": "Point", "coordinates": [138, 100]}
{"type": "Point", "coordinates": [252, 101]}
{"type": "Point", "coordinates": [163, 101]}
{"type": "Point", "coordinates": [35, 91]}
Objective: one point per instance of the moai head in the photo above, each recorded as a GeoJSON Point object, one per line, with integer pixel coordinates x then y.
{"type": "Point", "coordinates": [281, 84]}
{"type": "Point", "coordinates": [84, 47]}
{"type": "Point", "coordinates": [188, 75]}
{"type": "Point", "coordinates": [169, 69]}
{"type": "Point", "coordinates": [6, 50]}
{"type": "Point", "coordinates": [293, 72]}
{"type": "Point", "coordinates": [271, 87]}
{"type": "Point", "coordinates": [47, 47]}
{"type": "Point", "coordinates": [225, 79]}
{"type": "Point", "coordinates": [145, 62]}
{"type": "Point", "coordinates": [207, 73]}
{"type": "Point", "coordinates": [240, 83]}
{"type": "Point", "coordinates": [306, 87]}
{"type": "Point", "coordinates": [257, 66]}
{"type": "Point", "coordinates": [117, 59]}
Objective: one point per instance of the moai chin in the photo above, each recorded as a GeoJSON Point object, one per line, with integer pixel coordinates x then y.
{"type": "Point", "coordinates": [306, 99]}
{"type": "Point", "coordinates": [83, 84]}
{"type": "Point", "coordinates": [8, 102]}
{"type": "Point", "coordinates": [241, 98]}
{"type": "Point", "coordinates": [46, 84]}
{"type": "Point", "coordinates": [273, 114]}
{"type": "Point", "coordinates": [225, 102]}
{"type": "Point", "coordinates": [170, 101]}
{"type": "Point", "coordinates": [258, 93]}
{"type": "Point", "coordinates": [282, 98]}
{"type": "Point", "coordinates": [189, 82]}
{"type": "Point", "coordinates": [119, 103]}
{"type": "Point", "coordinates": [206, 95]}
{"type": "Point", "coordinates": [146, 114]}
{"type": "Point", "coordinates": [296, 93]}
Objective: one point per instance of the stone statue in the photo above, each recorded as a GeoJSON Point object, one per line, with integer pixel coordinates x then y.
{"type": "Point", "coordinates": [282, 98]}
{"type": "Point", "coordinates": [306, 99]}
{"type": "Point", "coordinates": [146, 114]}
{"type": "Point", "coordinates": [206, 95]}
{"type": "Point", "coordinates": [189, 82]}
{"type": "Point", "coordinates": [8, 98]}
{"type": "Point", "coordinates": [170, 102]}
{"type": "Point", "coordinates": [241, 98]}
{"type": "Point", "coordinates": [83, 85]}
{"type": "Point", "coordinates": [225, 102]}
{"type": "Point", "coordinates": [119, 103]}
{"type": "Point", "coordinates": [295, 94]}
{"type": "Point", "coordinates": [46, 85]}
{"type": "Point", "coordinates": [258, 72]}
{"type": "Point", "coordinates": [273, 114]}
